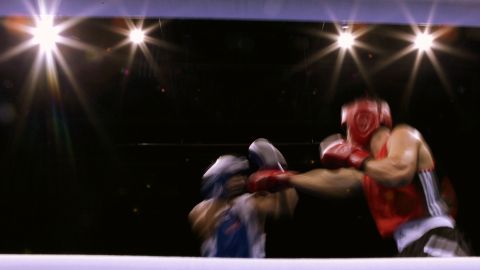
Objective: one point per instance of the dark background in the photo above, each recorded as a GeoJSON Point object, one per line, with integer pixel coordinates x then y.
{"type": "Point", "coordinates": [114, 166]}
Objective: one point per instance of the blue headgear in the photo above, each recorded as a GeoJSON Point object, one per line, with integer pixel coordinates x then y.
{"type": "Point", "coordinates": [214, 179]}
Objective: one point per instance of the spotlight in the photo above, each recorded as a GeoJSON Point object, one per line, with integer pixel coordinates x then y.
{"type": "Point", "coordinates": [345, 40]}
{"type": "Point", "coordinates": [45, 34]}
{"type": "Point", "coordinates": [423, 41]}
{"type": "Point", "coordinates": [137, 36]}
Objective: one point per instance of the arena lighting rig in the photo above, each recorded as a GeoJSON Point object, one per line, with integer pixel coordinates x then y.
{"type": "Point", "coordinates": [49, 31]}
{"type": "Point", "coordinates": [136, 36]}
{"type": "Point", "coordinates": [345, 40]}
{"type": "Point", "coordinates": [47, 36]}
{"type": "Point", "coordinates": [423, 41]}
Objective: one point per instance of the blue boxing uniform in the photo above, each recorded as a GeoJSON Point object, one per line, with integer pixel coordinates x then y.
{"type": "Point", "coordinates": [238, 232]}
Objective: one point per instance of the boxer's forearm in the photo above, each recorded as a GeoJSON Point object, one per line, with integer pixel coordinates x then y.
{"type": "Point", "coordinates": [328, 182]}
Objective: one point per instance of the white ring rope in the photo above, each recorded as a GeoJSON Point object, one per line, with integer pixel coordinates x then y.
{"type": "Point", "coordinates": [88, 262]}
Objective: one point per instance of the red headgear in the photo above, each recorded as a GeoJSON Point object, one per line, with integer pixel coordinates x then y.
{"type": "Point", "coordinates": [363, 117]}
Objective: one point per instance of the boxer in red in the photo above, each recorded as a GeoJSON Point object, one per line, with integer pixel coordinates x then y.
{"type": "Point", "coordinates": [396, 170]}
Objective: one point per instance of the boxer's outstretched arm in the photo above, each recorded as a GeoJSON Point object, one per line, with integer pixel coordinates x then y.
{"type": "Point", "coordinates": [399, 167]}
{"type": "Point", "coordinates": [281, 203]}
{"type": "Point", "coordinates": [328, 182]}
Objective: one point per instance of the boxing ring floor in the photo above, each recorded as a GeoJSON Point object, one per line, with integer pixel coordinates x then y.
{"type": "Point", "coordinates": [98, 262]}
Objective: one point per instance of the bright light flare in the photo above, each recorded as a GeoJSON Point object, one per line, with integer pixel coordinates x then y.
{"type": "Point", "coordinates": [345, 40]}
{"type": "Point", "coordinates": [137, 36]}
{"type": "Point", "coordinates": [46, 34]}
{"type": "Point", "coordinates": [423, 41]}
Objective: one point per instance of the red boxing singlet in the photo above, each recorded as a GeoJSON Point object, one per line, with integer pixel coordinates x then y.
{"type": "Point", "coordinates": [394, 206]}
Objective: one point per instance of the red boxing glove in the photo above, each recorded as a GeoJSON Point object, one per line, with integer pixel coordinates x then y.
{"type": "Point", "coordinates": [336, 153]}
{"type": "Point", "coordinates": [269, 180]}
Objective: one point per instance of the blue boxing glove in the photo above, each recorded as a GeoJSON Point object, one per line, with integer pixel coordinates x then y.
{"type": "Point", "coordinates": [270, 163]}
{"type": "Point", "coordinates": [263, 155]}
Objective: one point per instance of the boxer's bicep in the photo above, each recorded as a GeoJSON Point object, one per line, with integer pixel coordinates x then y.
{"type": "Point", "coordinates": [399, 167]}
